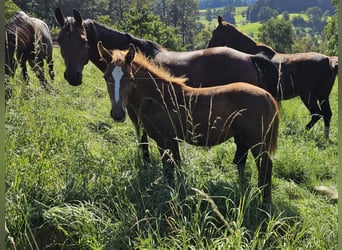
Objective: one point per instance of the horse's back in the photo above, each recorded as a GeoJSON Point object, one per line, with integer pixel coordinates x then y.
{"type": "Point", "coordinates": [236, 109]}
{"type": "Point", "coordinates": [210, 67]}
{"type": "Point", "coordinates": [43, 35]}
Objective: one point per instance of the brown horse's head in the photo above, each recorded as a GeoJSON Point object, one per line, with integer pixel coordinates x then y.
{"type": "Point", "coordinates": [72, 40]}
{"type": "Point", "coordinates": [226, 34]}
{"type": "Point", "coordinates": [223, 34]}
{"type": "Point", "coordinates": [119, 77]}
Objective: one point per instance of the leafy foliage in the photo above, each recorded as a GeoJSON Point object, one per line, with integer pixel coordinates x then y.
{"type": "Point", "coordinates": [278, 34]}
{"type": "Point", "coordinates": [331, 31]}
{"type": "Point", "coordinates": [142, 23]}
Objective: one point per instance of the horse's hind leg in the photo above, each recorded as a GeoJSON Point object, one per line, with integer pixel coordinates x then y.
{"type": "Point", "coordinates": [24, 70]}
{"type": "Point", "coordinates": [50, 66]}
{"type": "Point", "coordinates": [264, 165]}
{"type": "Point", "coordinates": [315, 111]}
{"type": "Point", "coordinates": [38, 67]}
{"type": "Point", "coordinates": [327, 114]}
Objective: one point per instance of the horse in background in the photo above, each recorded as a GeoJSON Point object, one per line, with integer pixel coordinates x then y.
{"type": "Point", "coordinates": [172, 111]}
{"type": "Point", "coordinates": [308, 75]}
{"type": "Point", "coordinates": [28, 39]}
{"type": "Point", "coordinates": [78, 40]}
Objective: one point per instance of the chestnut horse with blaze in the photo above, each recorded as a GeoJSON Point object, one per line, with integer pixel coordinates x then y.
{"type": "Point", "coordinates": [171, 111]}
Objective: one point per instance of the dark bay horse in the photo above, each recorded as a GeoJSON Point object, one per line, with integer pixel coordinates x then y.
{"type": "Point", "coordinates": [78, 40]}
{"type": "Point", "coordinates": [308, 75]}
{"type": "Point", "coordinates": [171, 111]}
{"type": "Point", "coordinates": [28, 39]}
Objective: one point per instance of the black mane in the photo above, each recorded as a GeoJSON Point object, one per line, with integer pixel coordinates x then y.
{"type": "Point", "coordinates": [113, 39]}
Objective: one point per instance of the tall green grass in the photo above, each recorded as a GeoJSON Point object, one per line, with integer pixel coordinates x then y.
{"type": "Point", "coordinates": [75, 180]}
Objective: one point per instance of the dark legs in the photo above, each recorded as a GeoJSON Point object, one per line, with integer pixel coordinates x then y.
{"type": "Point", "coordinates": [143, 145]}
{"type": "Point", "coordinates": [50, 66]}
{"type": "Point", "coordinates": [38, 67]}
{"type": "Point", "coordinates": [142, 136]}
{"type": "Point", "coordinates": [240, 157]}
{"type": "Point", "coordinates": [318, 111]}
{"type": "Point", "coordinates": [327, 114]}
{"type": "Point", "coordinates": [264, 165]}
{"type": "Point", "coordinates": [169, 152]}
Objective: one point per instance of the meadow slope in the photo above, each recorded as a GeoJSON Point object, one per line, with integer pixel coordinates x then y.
{"type": "Point", "coordinates": [76, 176]}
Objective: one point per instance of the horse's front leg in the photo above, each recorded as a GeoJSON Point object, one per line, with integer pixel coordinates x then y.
{"type": "Point", "coordinates": [143, 144]}
{"type": "Point", "coordinates": [170, 155]}
{"type": "Point", "coordinates": [240, 157]}
{"type": "Point", "coordinates": [327, 114]}
{"type": "Point", "coordinates": [141, 134]}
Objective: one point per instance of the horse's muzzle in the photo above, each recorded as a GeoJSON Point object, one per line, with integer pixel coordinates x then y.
{"type": "Point", "coordinates": [118, 115]}
{"type": "Point", "coordinates": [73, 79]}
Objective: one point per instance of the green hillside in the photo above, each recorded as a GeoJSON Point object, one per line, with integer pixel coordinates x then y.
{"type": "Point", "coordinates": [75, 180]}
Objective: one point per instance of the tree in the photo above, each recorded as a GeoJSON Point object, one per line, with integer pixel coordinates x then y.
{"type": "Point", "coordinates": [266, 13]}
{"type": "Point", "coordinates": [141, 22]}
{"type": "Point", "coordinates": [202, 39]}
{"type": "Point", "coordinates": [331, 32]}
{"type": "Point", "coordinates": [209, 15]}
{"type": "Point", "coordinates": [278, 34]}
{"type": "Point", "coordinates": [228, 14]}
{"type": "Point", "coordinates": [10, 9]}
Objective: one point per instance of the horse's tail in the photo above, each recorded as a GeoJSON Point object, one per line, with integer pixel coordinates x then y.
{"type": "Point", "coordinates": [268, 73]}
{"type": "Point", "coordinates": [272, 131]}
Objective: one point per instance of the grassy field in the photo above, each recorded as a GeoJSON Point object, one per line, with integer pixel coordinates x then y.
{"type": "Point", "coordinates": [74, 180]}
{"type": "Point", "coordinates": [240, 19]}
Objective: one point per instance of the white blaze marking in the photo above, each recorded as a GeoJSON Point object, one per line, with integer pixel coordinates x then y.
{"type": "Point", "coordinates": [117, 75]}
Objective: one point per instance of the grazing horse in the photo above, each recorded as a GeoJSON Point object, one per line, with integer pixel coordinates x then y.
{"type": "Point", "coordinates": [78, 40]}
{"type": "Point", "coordinates": [171, 111]}
{"type": "Point", "coordinates": [308, 75]}
{"type": "Point", "coordinates": [28, 39]}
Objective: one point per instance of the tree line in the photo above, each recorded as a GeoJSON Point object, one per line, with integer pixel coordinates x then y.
{"type": "Point", "coordinates": [279, 6]}
{"type": "Point", "coordinates": [172, 23]}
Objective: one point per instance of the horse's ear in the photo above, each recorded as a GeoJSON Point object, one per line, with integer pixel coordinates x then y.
{"type": "Point", "coordinates": [59, 16]}
{"type": "Point", "coordinates": [78, 17]}
{"type": "Point", "coordinates": [104, 53]}
{"type": "Point", "coordinates": [130, 54]}
{"type": "Point", "coordinates": [219, 20]}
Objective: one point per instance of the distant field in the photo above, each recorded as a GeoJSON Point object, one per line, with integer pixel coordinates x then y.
{"type": "Point", "coordinates": [240, 19]}
{"type": "Point", "coordinates": [249, 28]}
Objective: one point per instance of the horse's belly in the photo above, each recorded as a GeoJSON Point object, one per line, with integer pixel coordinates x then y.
{"type": "Point", "coordinates": [208, 135]}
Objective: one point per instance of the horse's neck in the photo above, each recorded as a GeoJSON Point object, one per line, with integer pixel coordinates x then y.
{"type": "Point", "coordinates": [248, 45]}
{"type": "Point", "coordinates": [113, 39]}
{"type": "Point", "coordinates": [151, 84]}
